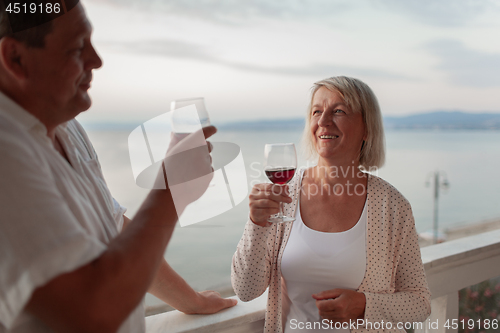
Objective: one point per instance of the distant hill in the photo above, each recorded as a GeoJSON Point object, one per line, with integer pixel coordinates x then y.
{"type": "Point", "coordinates": [265, 125]}
{"type": "Point", "coordinates": [445, 120]}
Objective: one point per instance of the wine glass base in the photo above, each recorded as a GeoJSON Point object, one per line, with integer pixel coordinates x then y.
{"type": "Point", "coordinates": [280, 219]}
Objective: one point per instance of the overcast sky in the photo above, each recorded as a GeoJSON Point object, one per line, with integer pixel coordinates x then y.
{"type": "Point", "coordinates": [254, 59]}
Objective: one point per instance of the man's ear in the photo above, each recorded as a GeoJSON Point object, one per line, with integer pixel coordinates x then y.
{"type": "Point", "coordinates": [12, 54]}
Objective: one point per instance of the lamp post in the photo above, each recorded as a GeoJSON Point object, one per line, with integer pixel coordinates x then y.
{"type": "Point", "coordinates": [439, 182]}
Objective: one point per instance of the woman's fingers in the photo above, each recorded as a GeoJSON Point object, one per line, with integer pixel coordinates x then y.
{"type": "Point", "coordinates": [340, 305]}
{"type": "Point", "coordinates": [278, 193]}
{"type": "Point", "coordinates": [260, 210]}
{"type": "Point", "coordinates": [327, 305]}
{"type": "Point", "coordinates": [328, 294]}
{"type": "Point", "coordinates": [264, 204]}
{"type": "Point", "coordinates": [332, 309]}
{"type": "Point", "coordinates": [264, 201]}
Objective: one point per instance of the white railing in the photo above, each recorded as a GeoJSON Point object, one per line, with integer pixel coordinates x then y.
{"type": "Point", "coordinates": [243, 318]}
{"type": "Point", "coordinates": [449, 266]}
{"type": "Point", "coordinates": [454, 265]}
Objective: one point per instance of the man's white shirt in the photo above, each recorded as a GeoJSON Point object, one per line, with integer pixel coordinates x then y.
{"type": "Point", "coordinates": [54, 216]}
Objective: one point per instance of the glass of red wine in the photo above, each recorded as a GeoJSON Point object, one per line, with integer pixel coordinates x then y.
{"type": "Point", "coordinates": [280, 165]}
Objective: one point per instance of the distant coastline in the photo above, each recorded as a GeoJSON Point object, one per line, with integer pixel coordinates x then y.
{"type": "Point", "coordinates": [445, 120]}
{"type": "Point", "coordinates": [432, 120]}
{"type": "Point", "coordinates": [435, 120]}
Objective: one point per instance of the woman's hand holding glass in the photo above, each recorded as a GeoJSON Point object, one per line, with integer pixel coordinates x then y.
{"type": "Point", "coordinates": [265, 201]}
{"type": "Point", "coordinates": [340, 305]}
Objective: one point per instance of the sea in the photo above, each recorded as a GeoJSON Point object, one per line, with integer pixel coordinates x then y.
{"type": "Point", "coordinates": [467, 160]}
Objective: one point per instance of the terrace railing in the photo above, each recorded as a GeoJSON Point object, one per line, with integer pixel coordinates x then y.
{"type": "Point", "coordinates": [449, 266]}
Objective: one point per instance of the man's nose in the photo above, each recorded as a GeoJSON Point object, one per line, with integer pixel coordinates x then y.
{"type": "Point", "coordinates": [94, 60]}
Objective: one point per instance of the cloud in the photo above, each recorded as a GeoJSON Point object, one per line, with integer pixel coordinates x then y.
{"type": "Point", "coordinates": [320, 69]}
{"type": "Point", "coordinates": [465, 66]}
{"type": "Point", "coordinates": [180, 49]}
{"type": "Point", "coordinates": [236, 11]}
{"type": "Point", "coordinates": [166, 48]}
{"type": "Point", "coordinates": [441, 13]}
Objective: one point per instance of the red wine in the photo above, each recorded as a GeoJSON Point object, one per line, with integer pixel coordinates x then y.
{"type": "Point", "coordinates": [280, 175]}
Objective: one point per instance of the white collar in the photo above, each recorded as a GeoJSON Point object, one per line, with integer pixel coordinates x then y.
{"type": "Point", "coordinates": [19, 115]}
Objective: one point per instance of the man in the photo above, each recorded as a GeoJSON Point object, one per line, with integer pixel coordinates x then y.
{"type": "Point", "coordinates": [64, 264]}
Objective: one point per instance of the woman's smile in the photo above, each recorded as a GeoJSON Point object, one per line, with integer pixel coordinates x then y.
{"type": "Point", "coordinates": [338, 130]}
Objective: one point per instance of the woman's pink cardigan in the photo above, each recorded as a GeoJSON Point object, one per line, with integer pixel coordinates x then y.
{"type": "Point", "coordinates": [395, 285]}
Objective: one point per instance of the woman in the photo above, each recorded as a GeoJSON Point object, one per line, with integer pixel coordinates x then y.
{"type": "Point", "coordinates": [352, 254]}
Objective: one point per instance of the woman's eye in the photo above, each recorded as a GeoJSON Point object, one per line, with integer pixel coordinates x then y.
{"type": "Point", "coordinates": [338, 111]}
{"type": "Point", "coordinates": [315, 112]}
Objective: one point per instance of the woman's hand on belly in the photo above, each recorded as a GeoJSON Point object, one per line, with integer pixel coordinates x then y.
{"type": "Point", "coordinates": [340, 305]}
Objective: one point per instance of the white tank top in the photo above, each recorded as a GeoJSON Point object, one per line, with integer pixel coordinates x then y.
{"type": "Point", "coordinates": [315, 261]}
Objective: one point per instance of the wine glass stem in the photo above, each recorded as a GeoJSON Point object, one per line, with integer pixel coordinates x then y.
{"type": "Point", "coordinates": [280, 214]}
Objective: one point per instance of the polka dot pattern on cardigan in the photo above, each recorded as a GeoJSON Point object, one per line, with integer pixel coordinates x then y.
{"type": "Point", "coordinates": [394, 285]}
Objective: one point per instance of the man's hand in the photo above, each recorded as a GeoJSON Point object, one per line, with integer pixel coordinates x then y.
{"type": "Point", "coordinates": [188, 167]}
{"type": "Point", "coordinates": [340, 305]}
{"type": "Point", "coordinates": [171, 288]}
{"type": "Point", "coordinates": [210, 301]}
{"type": "Point", "coordinates": [176, 138]}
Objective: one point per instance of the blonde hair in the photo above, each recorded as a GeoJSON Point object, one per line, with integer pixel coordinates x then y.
{"type": "Point", "coordinates": [360, 98]}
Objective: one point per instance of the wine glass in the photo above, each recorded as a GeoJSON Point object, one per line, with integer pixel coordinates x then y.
{"type": "Point", "coordinates": [280, 165]}
{"type": "Point", "coordinates": [189, 115]}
